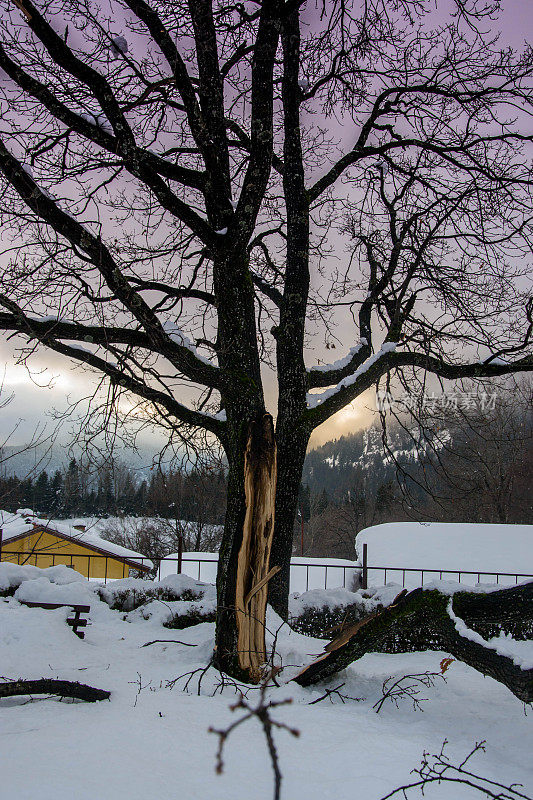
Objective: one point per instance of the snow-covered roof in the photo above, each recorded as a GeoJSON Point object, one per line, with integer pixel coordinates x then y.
{"type": "Point", "coordinates": [14, 525]}
{"type": "Point", "coordinates": [486, 548]}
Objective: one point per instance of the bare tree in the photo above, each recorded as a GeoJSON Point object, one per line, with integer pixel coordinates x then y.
{"type": "Point", "coordinates": [475, 455]}
{"type": "Point", "coordinates": [493, 450]}
{"type": "Point", "coordinates": [169, 192]}
{"type": "Point", "coordinates": [332, 531]}
{"type": "Point", "coordinates": [143, 536]}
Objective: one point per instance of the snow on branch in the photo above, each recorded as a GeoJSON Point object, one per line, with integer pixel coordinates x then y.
{"type": "Point", "coordinates": [98, 120]}
{"type": "Point", "coordinates": [178, 337]}
{"type": "Point", "coordinates": [314, 400]}
{"type": "Point", "coordinates": [498, 646]}
{"type": "Point", "coordinates": [341, 362]}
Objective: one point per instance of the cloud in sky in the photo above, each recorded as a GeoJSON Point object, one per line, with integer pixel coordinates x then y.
{"type": "Point", "coordinates": [34, 392]}
{"type": "Point", "coordinates": [50, 383]}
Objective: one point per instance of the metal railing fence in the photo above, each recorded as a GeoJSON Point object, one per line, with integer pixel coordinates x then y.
{"type": "Point", "coordinates": [97, 567]}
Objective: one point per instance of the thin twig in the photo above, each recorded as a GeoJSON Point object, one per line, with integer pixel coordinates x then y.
{"type": "Point", "coordinates": [399, 689]}
{"type": "Point", "coordinates": [438, 769]}
{"type": "Point", "coordinates": [329, 692]}
{"type": "Point", "coordinates": [261, 711]}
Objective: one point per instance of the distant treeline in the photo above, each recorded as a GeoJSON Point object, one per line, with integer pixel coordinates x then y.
{"type": "Point", "coordinates": [116, 490]}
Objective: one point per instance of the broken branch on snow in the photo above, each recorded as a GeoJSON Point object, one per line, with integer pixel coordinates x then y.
{"type": "Point", "coordinates": [78, 691]}
{"type": "Point", "coordinates": [426, 619]}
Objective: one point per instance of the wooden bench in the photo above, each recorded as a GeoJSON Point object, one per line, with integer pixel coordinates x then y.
{"type": "Point", "coordinates": [75, 622]}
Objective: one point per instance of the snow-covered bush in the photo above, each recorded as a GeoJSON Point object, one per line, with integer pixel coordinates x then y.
{"type": "Point", "coordinates": [194, 615]}
{"type": "Point", "coordinates": [131, 593]}
{"type": "Point", "coordinates": [176, 602]}
{"type": "Point", "coordinates": [321, 613]}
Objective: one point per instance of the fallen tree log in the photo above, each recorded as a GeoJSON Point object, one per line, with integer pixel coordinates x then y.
{"type": "Point", "coordinates": [78, 691]}
{"type": "Point", "coordinates": [430, 620]}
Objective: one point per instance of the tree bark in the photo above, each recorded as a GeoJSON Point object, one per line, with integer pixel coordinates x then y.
{"type": "Point", "coordinates": [226, 623]}
{"type": "Point", "coordinates": [242, 398]}
{"type": "Point", "coordinates": [291, 431]}
{"type": "Point", "coordinates": [79, 691]}
{"type": "Point", "coordinates": [421, 621]}
{"type": "Point", "coordinates": [291, 447]}
{"type": "Point", "coordinates": [292, 444]}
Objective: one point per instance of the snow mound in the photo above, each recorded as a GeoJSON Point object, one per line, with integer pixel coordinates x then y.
{"type": "Point", "coordinates": [177, 601]}
{"type": "Point", "coordinates": [13, 575]}
{"type": "Point", "coordinates": [41, 590]}
{"type": "Point", "coordinates": [176, 584]}
{"type": "Point", "coordinates": [331, 599]}
{"type": "Point", "coordinates": [175, 613]}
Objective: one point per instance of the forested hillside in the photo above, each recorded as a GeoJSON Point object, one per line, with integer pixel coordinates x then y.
{"type": "Point", "coordinates": [460, 467]}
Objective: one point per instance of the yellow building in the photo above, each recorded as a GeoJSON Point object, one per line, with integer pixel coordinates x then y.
{"type": "Point", "coordinates": [27, 540]}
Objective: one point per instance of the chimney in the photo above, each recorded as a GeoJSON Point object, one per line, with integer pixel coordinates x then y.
{"type": "Point", "coordinates": [79, 526]}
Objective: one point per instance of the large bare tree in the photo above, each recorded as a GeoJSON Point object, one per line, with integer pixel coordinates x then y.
{"type": "Point", "coordinates": [193, 188]}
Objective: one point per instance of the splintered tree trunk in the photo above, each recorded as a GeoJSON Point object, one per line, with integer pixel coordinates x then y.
{"type": "Point", "coordinates": [253, 571]}
{"type": "Point", "coordinates": [421, 620]}
{"type": "Point", "coordinates": [243, 566]}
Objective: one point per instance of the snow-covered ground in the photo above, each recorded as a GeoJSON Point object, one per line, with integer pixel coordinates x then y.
{"type": "Point", "coordinates": [152, 741]}
{"type": "Point", "coordinates": [481, 549]}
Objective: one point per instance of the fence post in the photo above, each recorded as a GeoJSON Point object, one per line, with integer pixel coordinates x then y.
{"type": "Point", "coordinates": [180, 555]}
{"type": "Point", "coordinates": [364, 576]}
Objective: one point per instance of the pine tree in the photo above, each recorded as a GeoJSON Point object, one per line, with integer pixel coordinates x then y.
{"type": "Point", "coordinates": [71, 489]}
{"type": "Point", "coordinates": [41, 493]}
{"type": "Point", "coordinates": [56, 494]}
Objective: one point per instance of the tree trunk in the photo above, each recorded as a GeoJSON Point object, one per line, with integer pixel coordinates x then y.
{"type": "Point", "coordinates": [226, 627]}
{"type": "Point", "coordinates": [291, 432]}
{"type": "Point", "coordinates": [292, 444]}
{"type": "Point", "coordinates": [421, 621]}
{"type": "Point", "coordinates": [251, 483]}
{"type": "Point", "coordinates": [244, 403]}
{"type": "Point", "coordinates": [243, 571]}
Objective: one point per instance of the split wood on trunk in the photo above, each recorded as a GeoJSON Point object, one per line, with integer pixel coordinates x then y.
{"type": "Point", "coordinates": [253, 571]}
